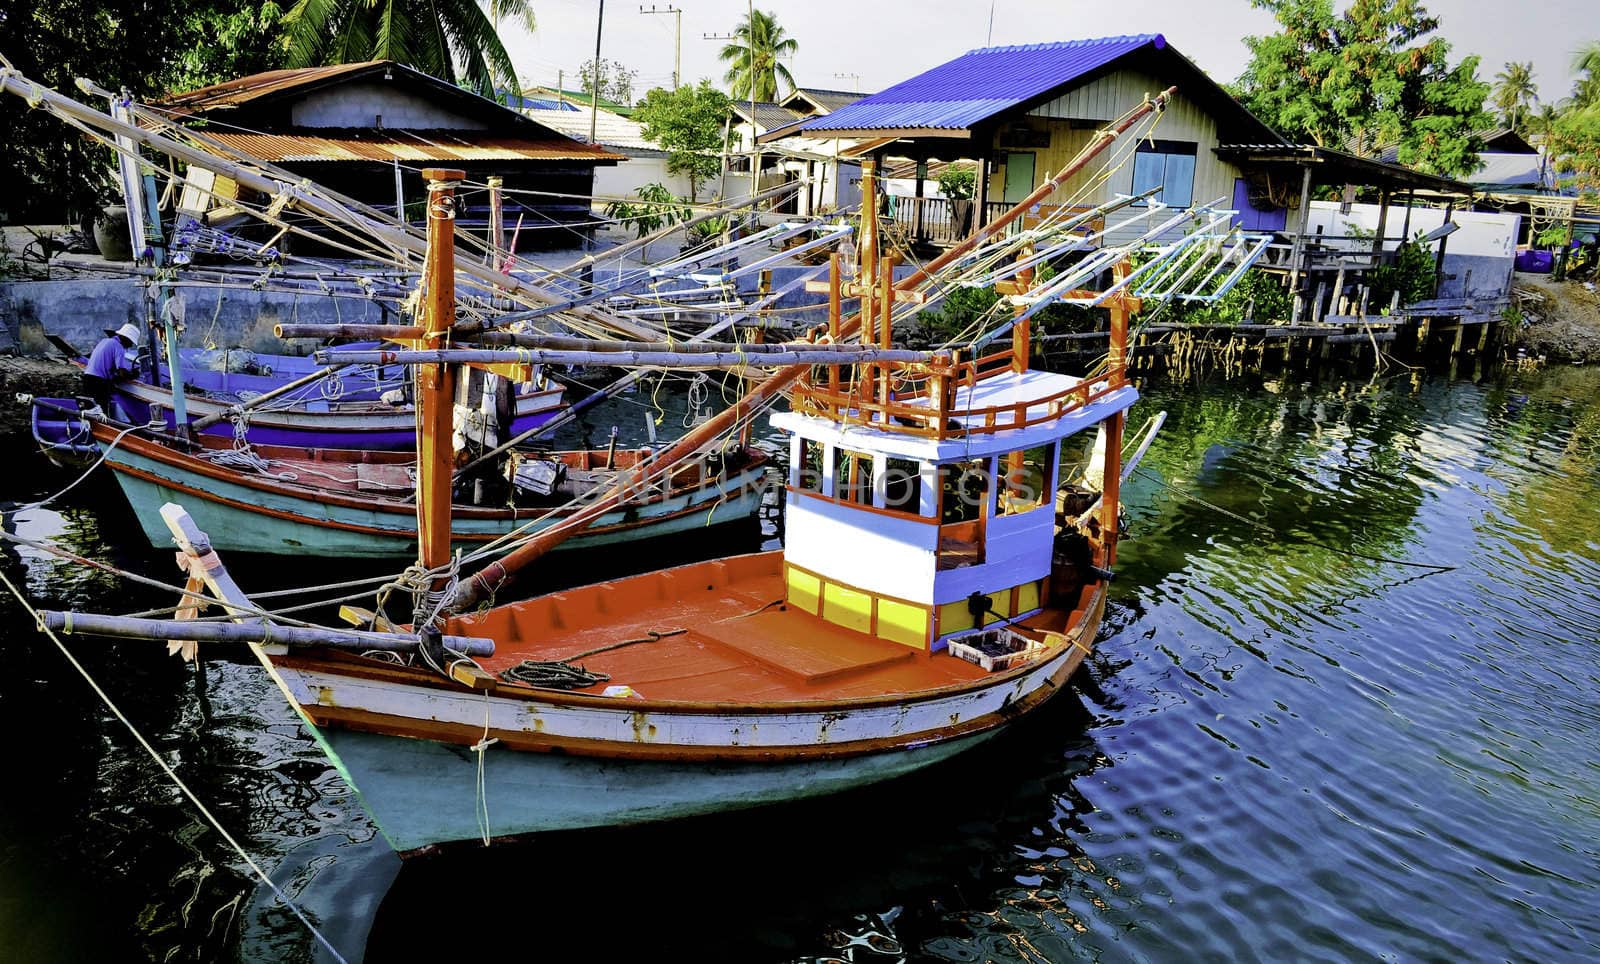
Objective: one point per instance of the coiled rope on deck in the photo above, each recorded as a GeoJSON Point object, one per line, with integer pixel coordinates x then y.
{"type": "Point", "coordinates": [565, 674]}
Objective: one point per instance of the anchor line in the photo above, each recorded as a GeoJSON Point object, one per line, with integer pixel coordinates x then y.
{"type": "Point", "coordinates": [171, 773]}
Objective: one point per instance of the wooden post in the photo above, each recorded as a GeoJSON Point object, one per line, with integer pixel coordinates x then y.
{"type": "Point", "coordinates": [1560, 272]}
{"type": "Point", "coordinates": [436, 383]}
{"type": "Point", "coordinates": [980, 217]}
{"type": "Point", "coordinates": [1300, 232]}
{"type": "Point", "coordinates": [1438, 259]}
{"type": "Point", "coordinates": [1111, 491]}
{"type": "Point", "coordinates": [1117, 356]}
{"type": "Point", "coordinates": [834, 308]}
{"type": "Point", "coordinates": [920, 202]}
{"type": "Point", "coordinates": [1021, 328]}
{"type": "Point", "coordinates": [886, 333]}
{"type": "Point", "coordinates": [868, 275]}
{"type": "Point", "coordinates": [497, 222]}
{"type": "Point", "coordinates": [1383, 221]}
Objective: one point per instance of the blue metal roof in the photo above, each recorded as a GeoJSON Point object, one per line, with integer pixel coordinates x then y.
{"type": "Point", "coordinates": [979, 84]}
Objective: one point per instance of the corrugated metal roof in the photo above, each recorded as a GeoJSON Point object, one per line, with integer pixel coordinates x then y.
{"type": "Point", "coordinates": [980, 84]}
{"type": "Point", "coordinates": [242, 90]}
{"type": "Point", "coordinates": [825, 100]}
{"type": "Point", "coordinates": [768, 115]}
{"type": "Point", "coordinates": [388, 144]}
{"type": "Point", "coordinates": [610, 130]}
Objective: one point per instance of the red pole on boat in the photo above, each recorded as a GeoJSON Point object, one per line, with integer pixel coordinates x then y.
{"type": "Point", "coordinates": [484, 583]}
{"type": "Point", "coordinates": [436, 383]}
{"type": "Point", "coordinates": [1117, 372]}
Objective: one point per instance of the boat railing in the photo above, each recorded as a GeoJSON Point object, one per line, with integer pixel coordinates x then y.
{"type": "Point", "coordinates": [924, 400]}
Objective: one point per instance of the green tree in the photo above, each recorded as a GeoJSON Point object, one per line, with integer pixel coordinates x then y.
{"type": "Point", "coordinates": [1515, 93]}
{"type": "Point", "coordinates": [457, 40]}
{"type": "Point", "coordinates": [754, 58]}
{"type": "Point", "coordinates": [1573, 135]}
{"type": "Point", "coordinates": [687, 123]}
{"type": "Point", "coordinates": [616, 80]}
{"type": "Point", "coordinates": [1372, 78]}
{"type": "Point", "coordinates": [57, 174]}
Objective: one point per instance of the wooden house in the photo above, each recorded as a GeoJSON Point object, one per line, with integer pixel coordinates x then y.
{"type": "Point", "coordinates": [367, 130]}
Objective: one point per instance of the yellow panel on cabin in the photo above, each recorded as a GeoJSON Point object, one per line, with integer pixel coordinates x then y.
{"type": "Point", "coordinates": [847, 607]}
{"type": "Point", "coordinates": [804, 589]}
{"type": "Point", "coordinates": [954, 617]}
{"type": "Point", "coordinates": [1027, 597]}
{"type": "Point", "coordinates": [1002, 605]}
{"type": "Point", "coordinates": [903, 623]}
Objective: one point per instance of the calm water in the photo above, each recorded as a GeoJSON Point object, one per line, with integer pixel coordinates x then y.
{"type": "Point", "coordinates": [1278, 751]}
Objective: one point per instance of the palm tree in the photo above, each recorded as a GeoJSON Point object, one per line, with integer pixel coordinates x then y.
{"type": "Point", "coordinates": [1514, 92]}
{"type": "Point", "coordinates": [1586, 61]}
{"type": "Point", "coordinates": [457, 40]}
{"type": "Point", "coordinates": [754, 65]}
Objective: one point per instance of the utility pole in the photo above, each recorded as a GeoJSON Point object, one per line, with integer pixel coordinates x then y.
{"type": "Point", "coordinates": [855, 77]}
{"type": "Point", "coordinates": [677, 38]}
{"type": "Point", "coordinates": [594, 94]}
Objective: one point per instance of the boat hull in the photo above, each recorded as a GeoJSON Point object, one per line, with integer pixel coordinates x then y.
{"type": "Point", "coordinates": [555, 760]}
{"type": "Point", "coordinates": [424, 793]}
{"type": "Point", "coordinates": [246, 513]}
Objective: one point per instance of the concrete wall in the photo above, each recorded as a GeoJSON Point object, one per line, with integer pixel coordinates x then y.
{"type": "Point", "coordinates": [634, 173]}
{"type": "Point", "coordinates": [80, 310]}
{"type": "Point", "coordinates": [360, 105]}
{"type": "Point", "coordinates": [1485, 245]}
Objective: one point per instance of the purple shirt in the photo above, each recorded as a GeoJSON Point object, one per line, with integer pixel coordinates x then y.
{"type": "Point", "coordinates": [109, 357]}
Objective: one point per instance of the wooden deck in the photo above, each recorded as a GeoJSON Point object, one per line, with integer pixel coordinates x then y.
{"type": "Point", "coordinates": [732, 640]}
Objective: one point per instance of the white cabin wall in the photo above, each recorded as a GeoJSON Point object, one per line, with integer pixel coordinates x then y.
{"type": "Point", "coordinates": [871, 551]}
{"type": "Point", "coordinates": [1018, 551]}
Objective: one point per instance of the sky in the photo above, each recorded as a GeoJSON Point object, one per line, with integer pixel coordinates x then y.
{"type": "Point", "coordinates": [886, 41]}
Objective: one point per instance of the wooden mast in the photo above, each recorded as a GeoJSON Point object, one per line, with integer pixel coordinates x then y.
{"type": "Point", "coordinates": [1117, 372]}
{"type": "Point", "coordinates": [436, 383]}
{"type": "Point", "coordinates": [485, 582]}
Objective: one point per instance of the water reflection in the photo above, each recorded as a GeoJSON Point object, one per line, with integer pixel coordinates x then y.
{"type": "Point", "coordinates": [1279, 751]}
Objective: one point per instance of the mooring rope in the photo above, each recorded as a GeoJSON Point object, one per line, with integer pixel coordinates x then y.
{"type": "Point", "coordinates": [86, 473]}
{"type": "Point", "coordinates": [170, 772]}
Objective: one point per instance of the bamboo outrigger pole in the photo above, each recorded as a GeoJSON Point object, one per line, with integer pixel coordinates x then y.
{"type": "Point", "coordinates": [565, 343]}
{"type": "Point", "coordinates": [802, 355]}
{"type": "Point", "coordinates": [484, 583]}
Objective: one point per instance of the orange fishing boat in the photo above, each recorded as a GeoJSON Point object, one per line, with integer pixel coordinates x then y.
{"type": "Point", "coordinates": [939, 580]}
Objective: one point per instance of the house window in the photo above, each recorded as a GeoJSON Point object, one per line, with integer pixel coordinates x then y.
{"type": "Point", "coordinates": [1168, 165]}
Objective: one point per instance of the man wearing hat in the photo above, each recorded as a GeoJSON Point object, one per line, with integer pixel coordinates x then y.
{"type": "Point", "coordinates": [110, 363]}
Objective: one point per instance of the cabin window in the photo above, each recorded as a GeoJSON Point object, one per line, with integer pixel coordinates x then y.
{"type": "Point", "coordinates": [902, 486]}
{"type": "Point", "coordinates": [965, 494]}
{"type": "Point", "coordinates": [1027, 478]}
{"type": "Point", "coordinates": [1168, 165]}
{"type": "Point", "coordinates": [963, 511]}
{"type": "Point", "coordinates": [852, 477]}
{"type": "Point", "coordinates": [812, 470]}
